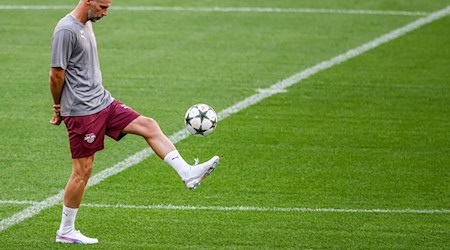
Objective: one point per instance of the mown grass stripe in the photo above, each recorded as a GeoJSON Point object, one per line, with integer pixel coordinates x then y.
{"type": "Point", "coordinates": [227, 9]}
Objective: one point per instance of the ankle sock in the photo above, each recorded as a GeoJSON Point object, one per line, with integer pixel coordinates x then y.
{"type": "Point", "coordinates": [177, 162]}
{"type": "Point", "coordinates": [68, 219]}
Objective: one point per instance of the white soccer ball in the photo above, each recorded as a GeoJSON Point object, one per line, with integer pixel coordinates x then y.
{"type": "Point", "coordinates": [200, 120]}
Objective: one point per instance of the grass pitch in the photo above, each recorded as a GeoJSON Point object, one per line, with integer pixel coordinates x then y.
{"type": "Point", "coordinates": [371, 133]}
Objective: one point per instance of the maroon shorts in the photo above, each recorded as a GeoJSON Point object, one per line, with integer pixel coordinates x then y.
{"type": "Point", "coordinates": [87, 133]}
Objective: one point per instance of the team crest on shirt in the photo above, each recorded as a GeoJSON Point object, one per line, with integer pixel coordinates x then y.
{"type": "Point", "coordinates": [90, 138]}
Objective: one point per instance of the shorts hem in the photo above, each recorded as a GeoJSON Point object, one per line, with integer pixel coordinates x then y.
{"type": "Point", "coordinates": [119, 134]}
{"type": "Point", "coordinates": [86, 153]}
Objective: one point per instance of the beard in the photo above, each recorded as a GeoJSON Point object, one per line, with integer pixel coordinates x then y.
{"type": "Point", "coordinates": [93, 18]}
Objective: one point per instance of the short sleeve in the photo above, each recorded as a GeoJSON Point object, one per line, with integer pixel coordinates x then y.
{"type": "Point", "coordinates": [62, 47]}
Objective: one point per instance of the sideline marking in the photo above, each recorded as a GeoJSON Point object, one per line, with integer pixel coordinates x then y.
{"type": "Point", "coordinates": [226, 9]}
{"type": "Point", "coordinates": [249, 101]}
{"type": "Point", "coordinates": [251, 209]}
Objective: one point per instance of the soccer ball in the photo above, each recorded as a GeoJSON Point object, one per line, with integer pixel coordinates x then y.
{"type": "Point", "coordinates": [200, 120]}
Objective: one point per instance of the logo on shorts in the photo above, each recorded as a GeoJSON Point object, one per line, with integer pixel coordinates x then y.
{"type": "Point", "coordinates": [90, 138]}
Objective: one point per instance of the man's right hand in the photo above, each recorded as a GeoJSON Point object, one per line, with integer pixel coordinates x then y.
{"type": "Point", "coordinates": [56, 120]}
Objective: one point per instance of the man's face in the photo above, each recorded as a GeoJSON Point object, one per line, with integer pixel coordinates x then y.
{"type": "Point", "coordinates": [98, 9]}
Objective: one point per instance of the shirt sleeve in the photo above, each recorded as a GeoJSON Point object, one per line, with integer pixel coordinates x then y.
{"type": "Point", "coordinates": [62, 47]}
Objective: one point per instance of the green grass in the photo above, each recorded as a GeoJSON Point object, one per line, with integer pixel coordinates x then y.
{"type": "Point", "coordinates": [371, 133]}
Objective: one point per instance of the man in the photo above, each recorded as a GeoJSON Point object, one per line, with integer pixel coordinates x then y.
{"type": "Point", "coordinates": [90, 113]}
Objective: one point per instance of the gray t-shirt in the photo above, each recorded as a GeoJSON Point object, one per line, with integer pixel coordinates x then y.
{"type": "Point", "coordinates": [74, 49]}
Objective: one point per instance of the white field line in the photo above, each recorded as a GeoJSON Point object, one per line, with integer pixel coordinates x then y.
{"type": "Point", "coordinates": [226, 9]}
{"type": "Point", "coordinates": [249, 101]}
{"type": "Point", "coordinates": [270, 209]}
{"type": "Point", "coordinates": [251, 209]}
{"type": "Point", "coordinates": [17, 202]}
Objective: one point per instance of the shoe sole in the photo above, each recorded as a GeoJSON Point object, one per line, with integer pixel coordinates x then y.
{"type": "Point", "coordinates": [62, 239]}
{"type": "Point", "coordinates": [68, 241]}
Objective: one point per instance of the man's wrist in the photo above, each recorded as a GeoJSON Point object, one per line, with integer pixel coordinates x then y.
{"type": "Point", "coordinates": [57, 109]}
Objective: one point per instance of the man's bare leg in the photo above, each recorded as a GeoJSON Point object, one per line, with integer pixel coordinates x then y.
{"type": "Point", "coordinates": [73, 195]}
{"type": "Point", "coordinates": [164, 148]}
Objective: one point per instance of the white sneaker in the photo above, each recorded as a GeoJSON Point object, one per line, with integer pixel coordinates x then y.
{"type": "Point", "coordinates": [200, 172]}
{"type": "Point", "coordinates": [74, 237]}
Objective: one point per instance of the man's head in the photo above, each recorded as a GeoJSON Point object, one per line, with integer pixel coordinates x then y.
{"type": "Point", "coordinates": [97, 9]}
{"type": "Point", "coordinates": [91, 10]}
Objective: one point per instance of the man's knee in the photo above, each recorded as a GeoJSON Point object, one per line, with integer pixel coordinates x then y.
{"type": "Point", "coordinates": [147, 127]}
{"type": "Point", "coordinates": [150, 123]}
{"type": "Point", "coordinates": [82, 168]}
{"type": "Point", "coordinates": [88, 171]}
{"type": "Point", "coordinates": [143, 126]}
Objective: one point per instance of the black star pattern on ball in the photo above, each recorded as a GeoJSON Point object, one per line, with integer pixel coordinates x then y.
{"type": "Point", "coordinates": [202, 115]}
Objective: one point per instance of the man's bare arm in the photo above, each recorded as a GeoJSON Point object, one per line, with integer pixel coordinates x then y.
{"type": "Point", "coordinates": [56, 85]}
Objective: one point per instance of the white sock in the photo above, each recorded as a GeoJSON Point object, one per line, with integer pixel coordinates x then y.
{"type": "Point", "coordinates": [68, 220]}
{"type": "Point", "coordinates": [177, 162]}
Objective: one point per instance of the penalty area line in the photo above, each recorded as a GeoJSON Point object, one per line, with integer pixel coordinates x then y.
{"type": "Point", "coordinates": [249, 101]}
